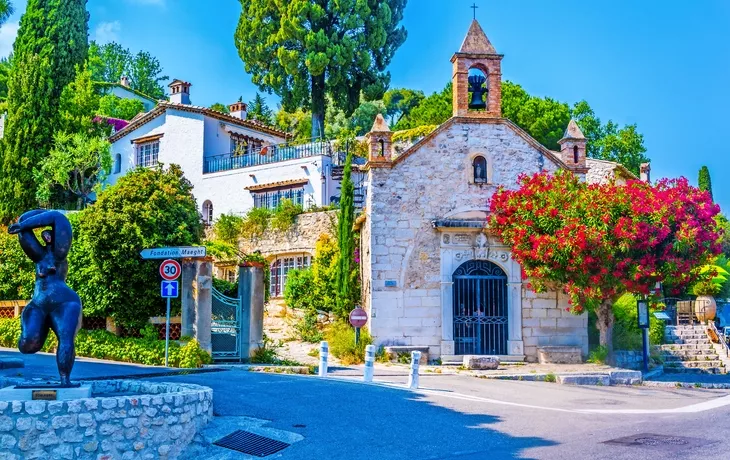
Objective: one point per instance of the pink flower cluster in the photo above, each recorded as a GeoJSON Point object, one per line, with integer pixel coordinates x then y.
{"type": "Point", "coordinates": [601, 240]}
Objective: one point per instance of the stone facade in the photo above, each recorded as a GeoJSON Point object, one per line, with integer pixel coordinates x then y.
{"type": "Point", "coordinates": [300, 238]}
{"type": "Point", "coordinates": [426, 217]}
{"type": "Point", "coordinates": [146, 421]}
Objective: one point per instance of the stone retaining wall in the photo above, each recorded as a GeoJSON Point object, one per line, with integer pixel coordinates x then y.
{"type": "Point", "coordinates": [629, 359]}
{"type": "Point", "coordinates": [146, 421]}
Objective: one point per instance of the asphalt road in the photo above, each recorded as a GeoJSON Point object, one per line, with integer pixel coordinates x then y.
{"type": "Point", "coordinates": [458, 417]}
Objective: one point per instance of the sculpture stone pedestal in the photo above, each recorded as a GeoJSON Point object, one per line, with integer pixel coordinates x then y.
{"type": "Point", "coordinates": [44, 393]}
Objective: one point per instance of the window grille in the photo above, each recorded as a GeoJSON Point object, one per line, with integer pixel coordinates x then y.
{"type": "Point", "coordinates": [147, 153]}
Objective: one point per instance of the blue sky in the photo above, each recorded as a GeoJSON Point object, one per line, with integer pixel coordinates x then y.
{"type": "Point", "coordinates": [664, 65]}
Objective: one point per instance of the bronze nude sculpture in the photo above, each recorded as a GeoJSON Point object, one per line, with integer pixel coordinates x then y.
{"type": "Point", "coordinates": [54, 305]}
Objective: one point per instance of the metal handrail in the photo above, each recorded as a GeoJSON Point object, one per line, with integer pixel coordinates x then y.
{"type": "Point", "coordinates": [265, 155]}
{"type": "Point", "coordinates": [723, 339]}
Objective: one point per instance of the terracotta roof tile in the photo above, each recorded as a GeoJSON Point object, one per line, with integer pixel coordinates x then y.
{"type": "Point", "coordinates": [281, 183]}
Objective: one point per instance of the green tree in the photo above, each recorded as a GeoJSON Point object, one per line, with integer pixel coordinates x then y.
{"type": "Point", "coordinates": [400, 101]}
{"type": "Point", "coordinates": [363, 117]}
{"type": "Point", "coordinates": [17, 272]}
{"type": "Point", "coordinates": [704, 182]}
{"type": "Point", "coordinates": [146, 208]}
{"type": "Point", "coordinates": [51, 42]}
{"type": "Point", "coordinates": [297, 123]}
{"type": "Point", "coordinates": [111, 61]}
{"type": "Point", "coordinates": [220, 107]}
{"type": "Point", "coordinates": [77, 163]}
{"type": "Point", "coordinates": [346, 267]}
{"type": "Point", "coordinates": [545, 119]}
{"type": "Point", "coordinates": [5, 67]}
{"type": "Point", "coordinates": [79, 103]}
{"type": "Point", "coordinates": [116, 107]}
{"type": "Point", "coordinates": [6, 9]}
{"type": "Point", "coordinates": [259, 111]}
{"type": "Point", "coordinates": [303, 50]}
{"type": "Point", "coordinates": [432, 110]}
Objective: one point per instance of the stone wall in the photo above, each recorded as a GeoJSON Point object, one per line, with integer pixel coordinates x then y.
{"type": "Point", "coordinates": [601, 172]}
{"type": "Point", "coordinates": [146, 421]}
{"type": "Point", "coordinates": [547, 321]}
{"type": "Point", "coordinates": [301, 237]}
{"type": "Point", "coordinates": [629, 359]}
{"type": "Point", "coordinates": [432, 182]}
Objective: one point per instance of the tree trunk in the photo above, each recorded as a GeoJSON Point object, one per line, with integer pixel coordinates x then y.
{"type": "Point", "coordinates": [604, 323]}
{"type": "Point", "coordinates": [318, 106]}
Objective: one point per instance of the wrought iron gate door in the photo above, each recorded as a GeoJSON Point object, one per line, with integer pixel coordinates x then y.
{"type": "Point", "coordinates": [225, 327]}
{"type": "Point", "coordinates": [480, 309]}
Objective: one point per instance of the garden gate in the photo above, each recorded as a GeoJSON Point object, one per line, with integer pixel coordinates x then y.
{"type": "Point", "coordinates": [225, 326]}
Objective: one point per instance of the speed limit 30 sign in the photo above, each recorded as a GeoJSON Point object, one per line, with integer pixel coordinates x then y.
{"type": "Point", "coordinates": [170, 269]}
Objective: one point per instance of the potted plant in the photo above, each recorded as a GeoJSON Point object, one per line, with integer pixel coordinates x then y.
{"type": "Point", "coordinates": [705, 305]}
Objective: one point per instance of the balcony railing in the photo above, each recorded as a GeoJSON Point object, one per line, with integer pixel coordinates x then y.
{"type": "Point", "coordinates": [266, 155]}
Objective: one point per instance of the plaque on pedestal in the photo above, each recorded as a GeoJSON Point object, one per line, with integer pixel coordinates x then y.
{"type": "Point", "coordinates": [41, 392]}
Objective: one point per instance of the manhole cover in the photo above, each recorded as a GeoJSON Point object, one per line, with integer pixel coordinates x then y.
{"type": "Point", "coordinates": [656, 440]}
{"type": "Point", "coordinates": [251, 443]}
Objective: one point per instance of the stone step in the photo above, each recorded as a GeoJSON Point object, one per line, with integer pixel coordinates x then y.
{"type": "Point", "coordinates": [685, 336]}
{"type": "Point", "coordinates": [684, 329]}
{"type": "Point", "coordinates": [688, 347]}
{"type": "Point", "coordinates": [686, 370]}
{"type": "Point", "coordinates": [667, 357]}
{"type": "Point", "coordinates": [693, 364]}
{"type": "Point", "coordinates": [690, 341]}
{"type": "Point", "coordinates": [589, 379]}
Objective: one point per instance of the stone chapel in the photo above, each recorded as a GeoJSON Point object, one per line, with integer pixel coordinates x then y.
{"type": "Point", "coordinates": [432, 274]}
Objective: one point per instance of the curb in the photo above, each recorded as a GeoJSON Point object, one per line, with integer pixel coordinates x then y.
{"type": "Point", "coordinates": [612, 378]}
{"type": "Point", "coordinates": [266, 368]}
{"type": "Point", "coordinates": [691, 385]}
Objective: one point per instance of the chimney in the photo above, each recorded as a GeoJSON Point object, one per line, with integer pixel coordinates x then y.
{"type": "Point", "coordinates": [180, 92]}
{"type": "Point", "coordinates": [645, 170]}
{"type": "Point", "coordinates": [124, 81]}
{"type": "Point", "coordinates": [238, 109]}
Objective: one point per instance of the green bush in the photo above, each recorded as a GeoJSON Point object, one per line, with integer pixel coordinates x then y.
{"type": "Point", "coordinates": [146, 208]}
{"type": "Point", "coordinates": [285, 214]}
{"type": "Point", "coordinates": [413, 133]}
{"type": "Point", "coordinates": [226, 288]}
{"type": "Point", "coordinates": [341, 339]}
{"type": "Point", "coordinates": [307, 328]}
{"type": "Point", "coordinates": [255, 223]}
{"type": "Point", "coordinates": [598, 355]}
{"type": "Point", "coordinates": [228, 228]}
{"type": "Point", "coordinates": [101, 344]}
{"type": "Point", "coordinates": [626, 332]}
{"type": "Point", "coordinates": [315, 288]}
{"type": "Point", "coordinates": [267, 354]}
{"type": "Point", "coordinates": [17, 272]}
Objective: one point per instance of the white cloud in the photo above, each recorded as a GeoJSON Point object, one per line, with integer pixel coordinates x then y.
{"type": "Point", "coordinates": [8, 32]}
{"type": "Point", "coordinates": [107, 32]}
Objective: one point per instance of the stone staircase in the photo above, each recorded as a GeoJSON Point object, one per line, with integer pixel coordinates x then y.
{"type": "Point", "coordinates": [690, 351]}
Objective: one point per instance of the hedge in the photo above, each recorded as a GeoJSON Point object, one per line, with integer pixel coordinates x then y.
{"type": "Point", "coordinates": [101, 344]}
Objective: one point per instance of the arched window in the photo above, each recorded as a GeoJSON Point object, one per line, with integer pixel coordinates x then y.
{"type": "Point", "coordinates": [382, 147]}
{"type": "Point", "coordinates": [117, 163]}
{"type": "Point", "coordinates": [478, 89]}
{"type": "Point", "coordinates": [208, 212]}
{"type": "Point", "coordinates": [575, 154]}
{"type": "Point", "coordinates": [480, 169]}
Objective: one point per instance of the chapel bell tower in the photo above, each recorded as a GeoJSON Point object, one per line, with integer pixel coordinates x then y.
{"type": "Point", "coordinates": [477, 79]}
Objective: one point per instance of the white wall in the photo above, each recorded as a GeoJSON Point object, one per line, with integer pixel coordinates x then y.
{"type": "Point", "coordinates": [128, 151]}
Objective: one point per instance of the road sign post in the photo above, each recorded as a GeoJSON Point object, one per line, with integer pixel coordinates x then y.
{"type": "Point", "coordinates": [168, 290]}
{"type": "Point", "coordinates": [358, 318]}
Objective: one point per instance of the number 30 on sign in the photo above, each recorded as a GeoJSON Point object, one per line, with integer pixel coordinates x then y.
{"type": "Point", "coordinates": [170, 269]}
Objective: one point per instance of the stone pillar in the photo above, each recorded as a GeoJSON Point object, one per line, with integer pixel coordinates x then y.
{"type": "Point", "coordinates": [187, 298]}
{"type": "Point", "coordinates": [251, 292]}
{"type": "Point", "coordinates": [203, 295]}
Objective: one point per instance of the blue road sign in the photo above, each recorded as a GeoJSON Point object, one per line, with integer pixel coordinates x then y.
{"type": "Point", "coordinates": [168, 289]}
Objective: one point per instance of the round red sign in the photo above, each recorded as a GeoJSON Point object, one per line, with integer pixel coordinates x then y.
{"type": "Point", "coordinates": [358, 317]}
{"type": "Point", "coordinates": [170, 269]}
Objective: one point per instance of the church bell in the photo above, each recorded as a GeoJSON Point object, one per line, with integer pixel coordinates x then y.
{"type": "Point", "coordinates": [477, 89]}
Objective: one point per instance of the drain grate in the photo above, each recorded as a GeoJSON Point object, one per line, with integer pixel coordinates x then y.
{"type": "Point", "coordinates": [251, 443]}
{"type": "Point", "coordinates": [657, 441]}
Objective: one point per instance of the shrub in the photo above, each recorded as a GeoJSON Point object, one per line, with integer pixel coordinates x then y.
{"type": "Point", "coordinates": [228, 228]}
{"type": "Point", "coordinates": [226, 288]}
{"type": "Point", "coordinates": [626, 332]}
{"type": "Point", "coordinates": [285, 214]}
{"type": "Point", "coordinates": [314, 288]}
{"type": "Point", "coordinates": [267, 354]}
{"type": "Point", "coordinates": [299, 292]}
{"type": "Point", "coordinates": [101, 344]}
{"type": "Point", "coordinates": [599, 355]}
{"type": "Point", "coordinates": [413, 133]}
{"type": "Point", "coordinates": [255, 223]}
{"type": "Point", "coordinates": [17, 272]}
{"type": "Point", "coordinates": [341, 339]}
{"type": "Point", "coordinates": [146, 208]}
{"type": "Point", "coordinates": [307, 328]}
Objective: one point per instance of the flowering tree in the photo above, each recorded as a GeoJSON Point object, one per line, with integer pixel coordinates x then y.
{"type": "Point", "coordinates": [598, 242]}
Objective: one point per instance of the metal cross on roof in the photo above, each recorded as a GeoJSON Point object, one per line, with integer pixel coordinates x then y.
{"type": "Point", "coordinates": [474, 7]}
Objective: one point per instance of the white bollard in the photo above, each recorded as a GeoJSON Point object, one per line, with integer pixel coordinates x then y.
{"type": "Point", "coordinates": [413, 376]}
{"type": "Point", "coordinates": [323, 354]}
{"type": "Point", "coordinates": [369, 361]}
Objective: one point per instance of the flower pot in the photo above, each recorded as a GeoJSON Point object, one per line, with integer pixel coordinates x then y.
{"type": "Point", "coordinates": [705, 308]}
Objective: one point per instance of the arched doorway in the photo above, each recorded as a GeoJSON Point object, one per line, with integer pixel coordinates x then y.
{"type": "Point", "coordinates": [480, 309]}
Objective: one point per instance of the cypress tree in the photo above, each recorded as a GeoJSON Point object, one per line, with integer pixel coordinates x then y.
{"type": "Point", "coordinates": [346, 241]}
{"type": "Point", "coordinates": [52, 41]}
{"type": "Point", "coordinates": [704, 182]}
